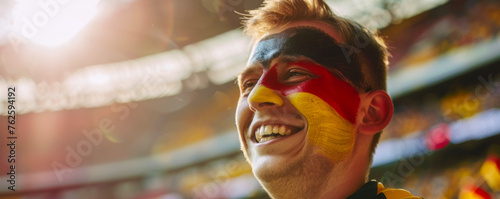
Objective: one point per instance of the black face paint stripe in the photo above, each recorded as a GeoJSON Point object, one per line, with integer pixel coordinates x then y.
{"type": "Point", "coordinates": [309, 42]}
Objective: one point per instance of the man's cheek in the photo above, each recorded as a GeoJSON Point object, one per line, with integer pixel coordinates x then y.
{"type": "Point", "coordinates": [243, 113]}
{"type": "Point", "coordinates": [243, 120]}
{"type": "Point", "coordinates": [333, 134]}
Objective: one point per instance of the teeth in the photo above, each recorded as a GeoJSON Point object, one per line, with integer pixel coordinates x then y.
{"type": "Point", "coordinates": [282, 130]}
{"type": "Point", "coordinates": [266, 139]}
{"type": "Point", "coordinates": [275, 129]}
{"type": "Point", "coordinates": [269, 132]}
{"type": "Point", "coordinates": [262, 131]}
{"type": "Point", "coordinates": [258, 135]}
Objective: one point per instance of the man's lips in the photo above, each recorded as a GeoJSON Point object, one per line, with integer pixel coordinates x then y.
{"type": "Point", "coordinates": [266, 131]}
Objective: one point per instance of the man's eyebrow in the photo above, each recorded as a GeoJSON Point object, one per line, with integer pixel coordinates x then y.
{"type": "Point", "coordinates": [253, 69]}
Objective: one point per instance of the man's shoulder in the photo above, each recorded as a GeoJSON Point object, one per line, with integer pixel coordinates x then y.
{"type": "Point", "coordinates": [390, 193]}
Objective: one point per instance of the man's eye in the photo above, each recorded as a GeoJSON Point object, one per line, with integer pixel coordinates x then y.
{"type": "Point", "coordinates": [298, 75]}
{"type": "Point", "coordinates": [295, 73]}
{"type": "Point", "coordinates": [248, 86]}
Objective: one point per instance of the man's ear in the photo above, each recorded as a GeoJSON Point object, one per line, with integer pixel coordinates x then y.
{"type": "Point", "coordinates": [375, 112]}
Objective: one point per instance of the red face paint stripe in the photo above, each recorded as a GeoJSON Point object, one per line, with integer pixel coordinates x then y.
{"type": "Point", "coordinates": [338, 94]}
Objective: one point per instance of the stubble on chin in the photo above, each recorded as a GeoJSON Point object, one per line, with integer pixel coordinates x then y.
{"type": "Point", "coordinates": [301, 179]}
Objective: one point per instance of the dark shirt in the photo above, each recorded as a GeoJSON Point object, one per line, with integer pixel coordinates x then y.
{"type": "Point", "coordinates": [375, 190]}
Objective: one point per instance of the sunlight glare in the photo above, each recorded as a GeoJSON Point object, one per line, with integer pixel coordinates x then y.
{"type": "Point", "coordinates": [52, 22]}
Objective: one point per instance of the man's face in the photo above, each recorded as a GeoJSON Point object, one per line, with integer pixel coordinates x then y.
{"type": "Point", "coordinates": [295, 110]}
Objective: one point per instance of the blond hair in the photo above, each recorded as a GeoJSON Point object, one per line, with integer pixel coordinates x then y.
{"type": "Point", "coordinates": [373, 54]}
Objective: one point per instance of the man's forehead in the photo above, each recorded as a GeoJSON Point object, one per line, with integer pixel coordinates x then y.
{"type": "Point", "coordinates": [323, 26]}
{"type": "Point", "coordinates": [319, 26]}
{"type": "Point", "coordinates": [299, 41]}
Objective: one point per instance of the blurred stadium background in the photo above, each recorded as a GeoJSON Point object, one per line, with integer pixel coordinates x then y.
{"type": "Point", "coordinates": [136, 98]}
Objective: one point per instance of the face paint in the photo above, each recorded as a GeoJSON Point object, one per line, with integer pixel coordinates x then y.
{"type": "Point", "coordinates": [327, 129]}
{"type": "Point", "coordinates": [263, 94]}
{"type": "Point", "coordinates": [309, 42]}
{"type": "Point", "coordinates": [337, 93]}
{"type": "Point", "coordinates": [329, 105]}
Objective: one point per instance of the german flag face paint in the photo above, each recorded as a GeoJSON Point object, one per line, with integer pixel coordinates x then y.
{"type": "Point", "coordinates": [328, 103]}
{"type": "Point", "coordinates": [309, 42]}
{"type": "Point", "coordinates": [301, 78]}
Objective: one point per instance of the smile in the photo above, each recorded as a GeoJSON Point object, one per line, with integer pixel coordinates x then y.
{"type": "Point", "coordinates": [269, 132]}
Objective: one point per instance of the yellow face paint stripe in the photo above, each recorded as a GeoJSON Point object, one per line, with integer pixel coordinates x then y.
{"type": "Point", "coordinates": [262, 94]}
{"type": "Point", "coordinates": [326, 128]}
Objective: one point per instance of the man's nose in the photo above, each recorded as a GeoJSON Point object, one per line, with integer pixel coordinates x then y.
{"type": "Point", "coordinates": [262, 97]}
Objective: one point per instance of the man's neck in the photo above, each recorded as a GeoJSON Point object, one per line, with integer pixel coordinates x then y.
{"type": "Point", "coordinates": [355, 173]}
{"type": "Point", "coordinates": [342, 179]}
{"type": "Point", "coordinates": [341, 182]}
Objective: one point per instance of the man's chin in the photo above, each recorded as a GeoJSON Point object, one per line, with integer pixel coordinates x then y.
{"type": "Point", "coordinates": [296, 177]}
{"type": "Point", "coordinates": [271, 168]}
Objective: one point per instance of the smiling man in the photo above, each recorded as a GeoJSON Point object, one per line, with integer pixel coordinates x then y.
{"type": "Point", "coordinates": [313, 102]}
